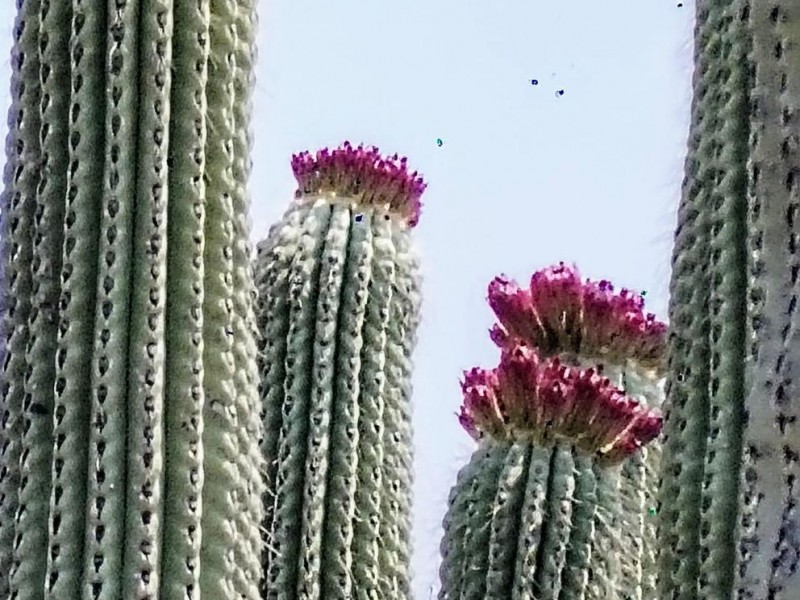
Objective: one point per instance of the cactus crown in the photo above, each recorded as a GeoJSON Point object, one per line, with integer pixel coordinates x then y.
{"type": "Point", "coordinates": [560, 314]}
{"type": "Point", "coordinates": [533, 397]}
{"type": "Point", "coordinates": [362, 176]}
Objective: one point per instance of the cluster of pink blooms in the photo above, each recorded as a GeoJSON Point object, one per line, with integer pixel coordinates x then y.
{"type": "Point", "coordinates": [539, 392]}
{"type": "Point", "coordinates": [363, 175]}
{"type": "Point", "coordinates": [561, 314]}
{"type": "Point", "coordinates": [531, 397]}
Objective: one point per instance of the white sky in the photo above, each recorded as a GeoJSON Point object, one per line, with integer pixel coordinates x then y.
{"type": "Point", "coordinates": [523, 178]}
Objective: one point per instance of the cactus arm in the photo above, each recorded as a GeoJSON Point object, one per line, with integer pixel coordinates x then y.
{"type": "Point", "coordinates": [146, 369]}
{"type": "Point", "coordinates": [531, 526]}
{"type": "Point", "coordinates": [506, 519]}
{"type": "Point", "coordinates": [292, 449]}
{"type": "Point", "coordinates": [366, 543]}
{"type": "Point", "coordinates": [579, 552]}
{"type": "Point", "coordinates": [769, 545]}
{"type": "Point", "coordinates": [18, 205]}
{"type": "Point", "coordinates": [272, 278]}
{"type": "Point", "coordinates": [400, 343]}
{"type": "Point", "coordinates": [340, 509]}
{"type": "Point", "coordinates": [556, 534]}
{"type": "Point", "coordinates": [36, 451]}
{"type": "Point", "coordinates": [322, 393]}
{"type": "Point", "coordinates": [251, 427]}
{"type": "Point", "coordinates": [184, 398]}
{"type": "Point", "coordinates": [478, 533]}
{"type": "Point", "coordinates": [455, 525]}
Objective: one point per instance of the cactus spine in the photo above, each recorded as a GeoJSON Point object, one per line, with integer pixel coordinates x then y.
{"type": "Point", "coordinates": [543, 510]}
{"type": "Point", "coordinates": [728, 514]}
{"type": "Point", "coordinates": [338, 306]}
{"type": "Point", "coordinates": [129, 463]}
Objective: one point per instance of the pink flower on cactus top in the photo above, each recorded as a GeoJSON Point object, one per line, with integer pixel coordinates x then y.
{"type": "Point", "coordinates": [363, 176]}
{"type": "Point", "coordinates": [561, 314]}
{"type": "Point", "coordinates": [531, 397]}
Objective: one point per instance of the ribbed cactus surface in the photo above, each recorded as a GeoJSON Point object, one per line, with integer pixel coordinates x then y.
{"type": "Point", "coordinates": [538, 512]}
{"type": "Point", "coordinates": [339, 298]}
{"type": "Point", "coordinates": [129, 414]}
{"type": "Point", "coordinates": [558, 500]}
{"type": "Point", "coordinates": [729, 518]}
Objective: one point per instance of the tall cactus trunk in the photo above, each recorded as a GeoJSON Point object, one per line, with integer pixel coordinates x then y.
{"type": "Point", "coordinates": [338, 311]}
{"type": "Point", "coordinates": [129, 462]}
{"type": "Point", "coordinates": [728, 495]}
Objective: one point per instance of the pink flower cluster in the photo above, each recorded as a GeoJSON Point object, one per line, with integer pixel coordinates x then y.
{"type": "Point", "coordinates": [541, 399]}
{"type": "Point", "coordinates": [363, 175]}
{"type": "Point", "coordinates": [561, 314]}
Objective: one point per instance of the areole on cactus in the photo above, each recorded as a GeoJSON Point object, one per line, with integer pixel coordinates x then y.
{"type": "Point", "coordinates": [551, 476]}
{"type": "Point", "coordinates": [338, 308]}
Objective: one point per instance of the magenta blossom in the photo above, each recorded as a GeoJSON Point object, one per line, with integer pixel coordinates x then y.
{"type": "Point", "coordinates": [362, 175]}
{"type": "Point", "coordinates": [541, 399]}
{"type": "Point", "coordinates": [561, 314]}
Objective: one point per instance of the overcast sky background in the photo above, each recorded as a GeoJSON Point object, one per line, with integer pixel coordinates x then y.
{"type": "Point", "coordinates": [524, 177]}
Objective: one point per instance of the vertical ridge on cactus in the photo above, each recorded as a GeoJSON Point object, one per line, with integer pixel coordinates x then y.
{"type": "Point", "coordinates": [21, 179]}
{"type": "Point", "coordinates": [125, 272]}
{"type": "Point", "coordinates": [338, 309]}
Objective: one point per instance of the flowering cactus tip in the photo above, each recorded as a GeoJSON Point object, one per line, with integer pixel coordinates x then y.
{"type": "Point", "coordinates": [562, 313]}
{"type": "Point", "coordinates": [532, 397]}
{"type": "Point", "coordinates": [363, 176]}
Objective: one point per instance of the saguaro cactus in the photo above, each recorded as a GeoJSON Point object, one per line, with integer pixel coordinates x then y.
{"type": "Point", "coordinates": [605, 539]}
{"type": "Point", "coordinates": [523, 514]}
{"type": "Point", "coordinates": [129, 458]}
{"type": "Point", "coordinates": [729, 515]}
{"type": "Point", "coordinates": [338, 309]}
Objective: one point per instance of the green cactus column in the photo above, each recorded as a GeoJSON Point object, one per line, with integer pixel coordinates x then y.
{"type": "Point", "coordinates": [338, 310]}
{"type": "Point", "coordinates": [583, 528]}
{"type": "Point", "coordinates": [129, 429]}
{"type": "Point", "coordinates": [522, 522]}
{"type": "Point", "coordinates": [729, 494]}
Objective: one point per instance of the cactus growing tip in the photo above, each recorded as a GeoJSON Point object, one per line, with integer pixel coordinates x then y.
{"type": "Point", "coordinates": [361, 175]}
{"type": "Point", "coordinates": [541, 399]}
{"type": "Point", "coordinates": [561, 314]}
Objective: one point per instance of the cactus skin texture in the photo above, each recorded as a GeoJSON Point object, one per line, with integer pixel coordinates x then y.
{"type": "Point", "coordinates": [129, 414]}
{"type": "Point", "coordinates": [339, 299]}
{"type": "Point", "coordinates": [729, 493]}
{"type": "Point", "coordinates": [546, 507]}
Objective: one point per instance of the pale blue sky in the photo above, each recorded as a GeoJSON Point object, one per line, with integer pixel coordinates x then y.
{"type": "Point", "coordinates": [524, 177]}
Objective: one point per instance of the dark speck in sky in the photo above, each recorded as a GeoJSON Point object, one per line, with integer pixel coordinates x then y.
{"type": "Point", "coordinates": [534, 82]}
{"type": "Point", "coordinates": [439, 142]}
{"type": "Point", "coordinates": [560, 93]}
